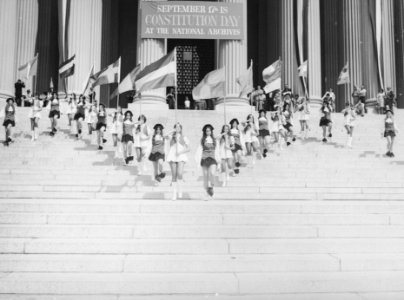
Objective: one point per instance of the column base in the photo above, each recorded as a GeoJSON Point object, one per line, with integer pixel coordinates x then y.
{"type": "Point", "coordinates": [232, 101]}
{"type": "Point", "coordinates": [149, 103]}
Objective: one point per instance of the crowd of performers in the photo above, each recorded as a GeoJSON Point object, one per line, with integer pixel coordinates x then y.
{"type": "Point", "coordinates": [237, 142]}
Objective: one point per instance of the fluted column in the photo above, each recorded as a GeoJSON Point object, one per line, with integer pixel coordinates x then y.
{"type": "Point", "coordinates": [149, 51]}
{"type": "Point", "coordinates": [352, 43]}
{"type": "Point", "coordinates": [289, 58]}
{"type": "Point", "coordinates": [233, 57]}
{"type": "Point", "coordinates": [27, 27]}
{"type": "Point", "coordinates": [388, 44]}
{"type": "Point", "coordinates": [84, 40]}
{"type": "Point", "coordinates": [8, 46]}
{"type": "Point", "coordinates": [399, 47]}
{"type": "Point", "coordinates": [314, 50]}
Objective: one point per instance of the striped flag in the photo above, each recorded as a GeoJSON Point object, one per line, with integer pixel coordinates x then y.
{"type": "Point", "coordinates": [128, 83]}
{"type": "Point", "coordinates": [245, 81]}
{"type": "Point", "coordinates": [29, 68]}
{"type": "Point", "coordinates": [272, 77]}
{"type": "Point", "coordinates": [213, 85]}
{"type": "Point", "coordinates": [90, 80]}
{"type": "Point", "coordinates": [108, 75]}
{"type": "Point", "coordinates": [161, 73]}
{"type": "Point", "coordinates": [344, 76]}
{"type": "Point", "coordinates": [303, 69]}
{"type": "Point", "coordinates": [66, 69]}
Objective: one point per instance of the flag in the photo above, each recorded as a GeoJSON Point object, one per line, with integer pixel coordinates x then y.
{"type": "Point", "coordinates": [90, 80]}
{"type": "Point", "coordinates": [245, 81]}
{"type": "Point", "coordinates": [344, 76]}
{"type": "Point", "coordinates": [211, 86]}
{"type": "Point", "coordinates": [30, 67]}
{"type": "Point", "coordinates": [272, 76]}
{"type": "Point", "coordinates": [66, 69]}
{"type": "Point", "coordinates": [161, 73]}
{"type": "Point", "coordinates": [303, 69]}
{"type": "Point", "coordinates": [108, 75]}
{"type": "Point", "coordinates": [128, 83]}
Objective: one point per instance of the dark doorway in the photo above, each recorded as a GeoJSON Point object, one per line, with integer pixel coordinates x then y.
{"type": "Point", "coordinates": [195, 58]}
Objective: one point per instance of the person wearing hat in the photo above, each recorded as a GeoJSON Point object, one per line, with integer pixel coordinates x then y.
{"type": "Point", "coordinates": [54, 113]}
{"type": "Point", "coordinates": [237, 147]}
{"type": "Point", "coordinates": [127, 136]}
{"type": "Point", "coordinates": [101, 126]}
{"type": "Point", "coordinates": [35, 115]}
{"type": "Point", "coordinates": [390, 131]}
{"type": "Point", "coordinates": [208, 159]}
{"type": "Point", "coordinates": [141, 141]}
{"type": "Point", "coordinates": [80, 115]}
{"type": "Point", "coordinates": [9, 120]}
{"type": "Point", "coordinates": [157, 154]}
{"type": "Point", "coordinates": [226, 155]}
{"type": "Point", "coordinates": [177, 157]}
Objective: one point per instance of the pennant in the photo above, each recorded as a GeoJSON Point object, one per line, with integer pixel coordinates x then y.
{"type": "Point", "coordinates": [128, 83]}
{"type": "Point", "coordinates": [90, 80]}
{"type": "Point", "coordinates": [66, 69]}
{"type": "Point", "coordinates": [29, 68]}
{"type": "Point", "coordinates": [161, 73]}
{"type": "Point", "coordinates": [272, 76]}
{"type": "Point", "coordinates": [108, 75]}
{"type": "Point", "coordinates": [303, 69]}
{"type": "Point", "coordinates": [213, 85]}
{"type": "Point", "coordinates": [245, 81]}
{"type": "Point", "coordinates": [344, 75]}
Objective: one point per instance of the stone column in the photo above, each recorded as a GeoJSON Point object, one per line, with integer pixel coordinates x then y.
{"type": "Point", "coordinates": [149, 51]}
{"type": "Point", "coordinates": [314, 50]}
{"type": "Point", "coordinates": [233, 56]}
{"type": "Point", "coordinates": [399, 49]}
{"type": "Point", "coordinates": [388, 44]}
{"type": "Point", "coordinates": [352, 43]}
{"type": "Point", "coordinates": [8, 46]}
{"type": "Point", "coordinates": [84, 40]}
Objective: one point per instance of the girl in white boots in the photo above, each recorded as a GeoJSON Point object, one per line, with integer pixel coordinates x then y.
{"type": "Point", "coordinates": [34, 116]}
{"type": "Point", "coordinates": [349, 122]}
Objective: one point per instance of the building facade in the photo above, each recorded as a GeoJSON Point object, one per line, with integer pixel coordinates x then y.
{"type": "Point", "coordinates": [368, 34]}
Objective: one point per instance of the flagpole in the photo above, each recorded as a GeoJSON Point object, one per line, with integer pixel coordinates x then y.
{"type": "Point", "coordinates": [119, 81]}
{"type": "Point", "coordinates": [175, 83]}
{"type": "Point", "coordinates": [224, 98]}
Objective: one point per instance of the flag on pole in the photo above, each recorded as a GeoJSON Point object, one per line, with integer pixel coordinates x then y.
{"type": "Point", "coordinates": [303, 69]}
{"type": "Point", "coordinates": [108, 75]}
{"type": "Point", "coordinates": [128, 83]}
{"type": "Point", "coordinates": [344, 75]}
{"type": "Point", "coordinates": [161, 73]}
{"type": "Point", "coordinates": [245, 81]}
{"type": "Point", "coordinates": [29, 68]}
{"type": "Point", "coordinates": [90, 80]}
{"type": "Point", "coordinates": [66, 69]}
{"type": "Point", "coordinates": [272, 76]}
{"type": "Point", "coordinates": [213, 85]}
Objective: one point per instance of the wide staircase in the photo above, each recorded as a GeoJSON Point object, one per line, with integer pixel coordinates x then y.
{"type": "Point", "coordinates": [311, 221]}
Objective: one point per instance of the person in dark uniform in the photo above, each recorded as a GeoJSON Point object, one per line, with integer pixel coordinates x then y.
{"type": "Point", "coordinates": [9, 120]}
{"type": "Point", "coordinates": [171, 99]}
{"type": "Point", "coordinates": [19, 85]}
{"type": "Point", "coordinates": [389, 99]}
{"type": "Point", "coordinates": [91, 95]}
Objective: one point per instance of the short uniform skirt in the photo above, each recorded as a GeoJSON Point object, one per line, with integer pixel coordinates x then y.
{"type": "Point", "coordinates": [100, 125]}
{"type": "Point", "coordinates": [54, 113]}
{"type": "Point", "coordinates": [263, 133]}
{"type": "Point", "coordinates": [156, 156]}
{"type": "Point", "coordinates": [324, 122]}
{"type": "Point", "coordinates": [287, 126]}
{"type": "Point", "coordinates": [9, 122]}
{"type": "Point", "coordinates": [126, 138]}
{"type": "Point", "coordinates": [389, 133]}
{"type": "Point", "coordinates": [207, 162]}
{"type": "Point", "coordinates": [236, 148]}
{"type": "Point", "coordinates": [78, 116]}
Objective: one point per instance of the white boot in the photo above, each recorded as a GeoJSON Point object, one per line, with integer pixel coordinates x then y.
{"type": "Point", "coordinates": [179, 185]}
{"type": "Point", "coordinates": [32, 135]}
{"type": "Point", "coordinates": [174, 186]}
{"type": "Point", "coordinates": [35, 134]}
{"type": "Point", "coordinates": [224, 179]}
{"type": "Point", "coordinates": [349, 144]}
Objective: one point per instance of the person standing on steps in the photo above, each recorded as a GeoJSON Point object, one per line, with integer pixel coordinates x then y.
{"type": "Point", "coordinates": [157, 154]}
{"type": "Point", "coordinates": [141, 142]}
{"type": "Point", "coordinates": [304, 116]}
{"type": "Point", "coordinates": [349, 122]}
{"type": "Point", "coordinates": [128, 127]}
{"type": "Point", "coordinates": [91, 118]}
{"type": "Point", "coordinates": [101, 126]}
{"type": "Point", "coordinates": [116, 130]}
{"type": "Point", "coordinates": [226, 156]}
{"type": "Point", "coordinates": [390, 131]}
{"type": "Point", "coordinates": [177, 157]}
{"type": "Point", "coordinates": [264, 135]}
{"type": "Point", "coordinates": [208, 159]}
{"type": "Point", "coordinates": [390, 100]}
{"type": "Point", "coordinates": [35, 115]}
{"type": "Point", "coordinates": [19, 85]}
{"type": "Point", "coordinates": [71, 108]}
{"type": "Point", "coordinates": [325, 121]}
{"type": "Point", "coordinates": [80, 115]}
{"type": "Point", "coordinates": [362, 98]}
{"type": "Point", "coordinates": [236, 147]}
{"type": "Point", "coordinates": [251, 141]}
{"type": "Point", "coordinates": [54, 113]}
{"type": "Point", "coordinates": [9, 120]}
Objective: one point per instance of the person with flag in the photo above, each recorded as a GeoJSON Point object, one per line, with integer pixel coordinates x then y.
{"type": "Point", "coordinates": [35, 115]}
{"type": "Point", "coordinates": [208, 158]}
{"type": "Point", "coordinates": [141, 141]}
{"type": "Point", "coordinates": [101, 126]}
{"type": "Point", "coordinates": [54, 113]}
{"type": "Point", "coordinates": [19, 85]}
{"type": "Point", "coordinates": [80, 115]}
{"type": "Point", "coordinates": [9, 120]}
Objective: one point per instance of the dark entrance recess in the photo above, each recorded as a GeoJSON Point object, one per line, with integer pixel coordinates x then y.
{"type": "Point", "coordinates": [195, 58]}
